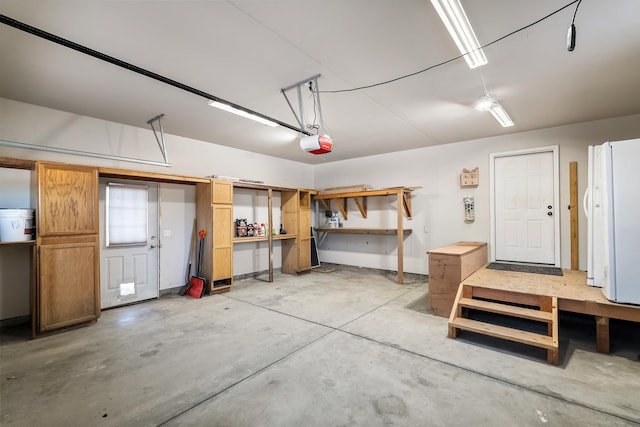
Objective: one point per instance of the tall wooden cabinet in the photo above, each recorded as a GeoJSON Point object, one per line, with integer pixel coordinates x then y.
{"type": "Point", "coordinates": [68, 252]}
{"type": "Point", "coordinates": [304, 231]}
{"type": "Point", "coordinates": [214, 212]}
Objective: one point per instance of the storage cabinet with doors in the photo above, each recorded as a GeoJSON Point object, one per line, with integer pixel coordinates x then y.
{"type": "Point", "coordinates": [304, 231]}
{"type": "Point", "coordinates": [214, 212]}
{"type": "Point", "coordinates": [68, 285]}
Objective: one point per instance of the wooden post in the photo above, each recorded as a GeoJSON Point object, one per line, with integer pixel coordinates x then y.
{"type": "Point", "coordinates": [573, 213]}
{"type": "Point", "coordinates": [602, 334]}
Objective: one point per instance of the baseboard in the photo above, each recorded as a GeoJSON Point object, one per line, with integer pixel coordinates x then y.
{"type": "Point", "coordinates": [14, 321]}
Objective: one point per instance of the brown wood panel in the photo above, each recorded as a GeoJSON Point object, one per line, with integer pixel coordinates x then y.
{"type": "Point", "coordinates": [571, 289]}
{"type": "Point", "coordinates": [573, 213]}
{"type": "Point", "coordinates": [448, 266]}
{"type": "Point", "coordinates": [222, 242]}
{"type": "Point", "coordinates": [11, 163]}
{"type": "Point", "coordinates": [68, 289]}
{"type": "Point", "coordinates": [352, 230]}
{"type": "Point", "coordinates": [68, 199]}
{"type": "Point", "coordinates": [148, 176]}
{"type": "Point", "coordinates": [222, 191]}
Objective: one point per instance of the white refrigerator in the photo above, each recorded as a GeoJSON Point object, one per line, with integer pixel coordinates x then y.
{"type": "Point", "coordinates": [612, 206]}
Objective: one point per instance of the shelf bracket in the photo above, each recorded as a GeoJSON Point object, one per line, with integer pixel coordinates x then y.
{"type": "Point", "coordinates": [406, 203]}
{"type": "Point", "coordinates": [160, 140]}
{"type": "Point", "coordinates": [362, 206]}
{"type": "Point", "coordinates": [343, 208]}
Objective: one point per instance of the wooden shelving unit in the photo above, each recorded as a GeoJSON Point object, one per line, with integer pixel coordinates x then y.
{"type": "Point", "coordinates": [292, 218]}
{"type": "Point", "coordinates": [403, 198]}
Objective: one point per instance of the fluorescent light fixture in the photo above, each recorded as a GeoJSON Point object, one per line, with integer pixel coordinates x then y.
{"type": "Point", "coordinates": [454, 18]}
{"type": "Point", "coordinates": [488, 103]}
{"type": "Point", "coordinates": [245, 114]}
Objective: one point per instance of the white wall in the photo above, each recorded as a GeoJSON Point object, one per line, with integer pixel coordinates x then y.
{"type": "Point", "coordinates": [15, 264]}
{"type": "Point", "coordinates": [20, 122]}
{"type": "Point", "coordinates": [438, 215]}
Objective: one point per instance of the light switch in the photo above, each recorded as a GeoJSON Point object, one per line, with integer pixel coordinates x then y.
{"type": "Point", "coordinates": [167, 233]}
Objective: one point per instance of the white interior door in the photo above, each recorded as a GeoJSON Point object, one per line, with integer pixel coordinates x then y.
{"type": "Point", "coordinates": [525, 208]}
{"type": "Point", "coordinates": [128, 242]}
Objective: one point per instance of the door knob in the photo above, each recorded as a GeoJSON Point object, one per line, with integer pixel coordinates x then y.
{"type": "Point", "coordinates": [153, 246]}
{"type": "Point", "coordinates": [549, 213]}
{"type": "Point", "coordinates": [549, 207]}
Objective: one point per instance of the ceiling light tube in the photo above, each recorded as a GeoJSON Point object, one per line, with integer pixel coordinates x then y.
{"type": "Point", "coordinates": [457, 23]}
{"type": "Point", "coordinates": [488, 103]}
{"type": "Point", "coordinates": [245, 114]}
{"type": "Point", "coordinates": [501, 116]}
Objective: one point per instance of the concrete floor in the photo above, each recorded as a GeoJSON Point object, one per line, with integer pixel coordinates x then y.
{"type": "Point", "coordinates": [348, 347]}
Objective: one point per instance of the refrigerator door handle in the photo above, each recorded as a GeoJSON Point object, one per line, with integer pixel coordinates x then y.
{"type": "Point", "coordinates": [584, 202]}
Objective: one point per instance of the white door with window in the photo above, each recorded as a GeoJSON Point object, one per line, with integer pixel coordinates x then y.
{"type": "Point", "coordinates": [525, 207]}
{"type": "Point", "coordinates": [128, 242]}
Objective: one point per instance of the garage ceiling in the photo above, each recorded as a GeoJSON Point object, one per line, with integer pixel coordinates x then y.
{"type": "Point", "coordinates": [246, 51]}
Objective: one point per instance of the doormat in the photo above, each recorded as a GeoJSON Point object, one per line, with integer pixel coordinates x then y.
{"type": "Point", "coordinates": [536, 269]}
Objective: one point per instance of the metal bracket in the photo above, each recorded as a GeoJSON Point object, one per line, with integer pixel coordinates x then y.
{"type": "Point", "coordinates": [312, 84]}
{"type": "Point", "coordinates": [161, 144]}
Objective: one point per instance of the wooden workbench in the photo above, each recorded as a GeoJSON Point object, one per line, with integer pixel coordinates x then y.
{"type": "Point", "coordinates": [402, 196]}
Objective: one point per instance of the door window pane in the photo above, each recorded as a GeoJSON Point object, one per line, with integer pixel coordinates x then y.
{"type": "Point", "coordinates": [126, 219]}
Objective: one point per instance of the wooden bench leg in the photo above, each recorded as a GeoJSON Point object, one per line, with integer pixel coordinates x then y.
{"type": "Point", "coordinates": [602, 334]}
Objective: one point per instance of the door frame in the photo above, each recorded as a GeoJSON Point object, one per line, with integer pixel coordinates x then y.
{"type": "Point", "coordinates": [556, 196]}
{"type": "Point", "coordinates": [102, 229]}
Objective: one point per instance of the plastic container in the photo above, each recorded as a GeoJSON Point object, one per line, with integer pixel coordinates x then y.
{"type": "Point", "coordinates": [16, 225]}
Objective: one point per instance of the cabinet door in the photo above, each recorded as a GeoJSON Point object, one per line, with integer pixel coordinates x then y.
{"type": "Point", "coordinates": [222, 192]}
{"type": "Point", "coordinates": [67, 199]}
{"type": "Point", "coordinates": [304, 240]}
{"type": "Point", "coordinates": [68, 285]}
{"type": "Point", "coordinates": [222, 242]}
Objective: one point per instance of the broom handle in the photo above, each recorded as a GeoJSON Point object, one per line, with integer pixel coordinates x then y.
{"type": "Point", "coordinates": [191, 249]}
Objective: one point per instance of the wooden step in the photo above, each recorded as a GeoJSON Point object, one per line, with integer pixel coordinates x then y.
{"type": "Point", "coordinates": [509, 310]}
{"type": "Point", "coordinates": [503, 332]}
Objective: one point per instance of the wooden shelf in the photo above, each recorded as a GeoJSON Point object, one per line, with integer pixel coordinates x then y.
{"type": "Point", "coordinates": [19, 243]}
{"type": "Point", "coordinates": [360, 198]}
{"type": "Point", "coordinates": [379, 231]}
{"type": "Point", "coordinates": [403, 201]}
{"type": "Point", "coordinates": [263, 238]}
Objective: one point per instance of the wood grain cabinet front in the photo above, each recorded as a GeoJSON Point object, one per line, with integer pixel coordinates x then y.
{"type": "Point", "coordinates": [68, 286]}
{"type": "Point", "coordinates": [67, 199]}
{"type": "Point", "coordinates": [304, 232]}
{"type": "Point", "coordinates": [68, 251]}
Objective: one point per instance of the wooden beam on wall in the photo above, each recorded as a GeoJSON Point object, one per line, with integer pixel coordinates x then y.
{"type": "Point", "coordinates": [573, 213]}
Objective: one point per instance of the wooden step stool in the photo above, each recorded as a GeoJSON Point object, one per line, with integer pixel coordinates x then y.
{"type": "Point", "coordinates": [547, 312]}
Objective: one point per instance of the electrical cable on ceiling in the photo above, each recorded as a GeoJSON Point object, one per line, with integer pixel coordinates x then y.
{"type": "Point", "coordinates": [457, 57]}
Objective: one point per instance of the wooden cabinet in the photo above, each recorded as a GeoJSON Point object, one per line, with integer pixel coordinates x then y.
{"type": "Point", "coordinates": [67, 200]}
{"type": "Point", "coordinates": [448, 267]}
{"type": "Point", "coordinates": [67, 287]}
{"type": "Point", "coordinates": [68, 284]}
{"type": "Point", "coordinates": [304, 231]}
{"type": "Point", "coordinates": [214, 212]}
{"type": "Point", "coordinates": [289, 217]}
